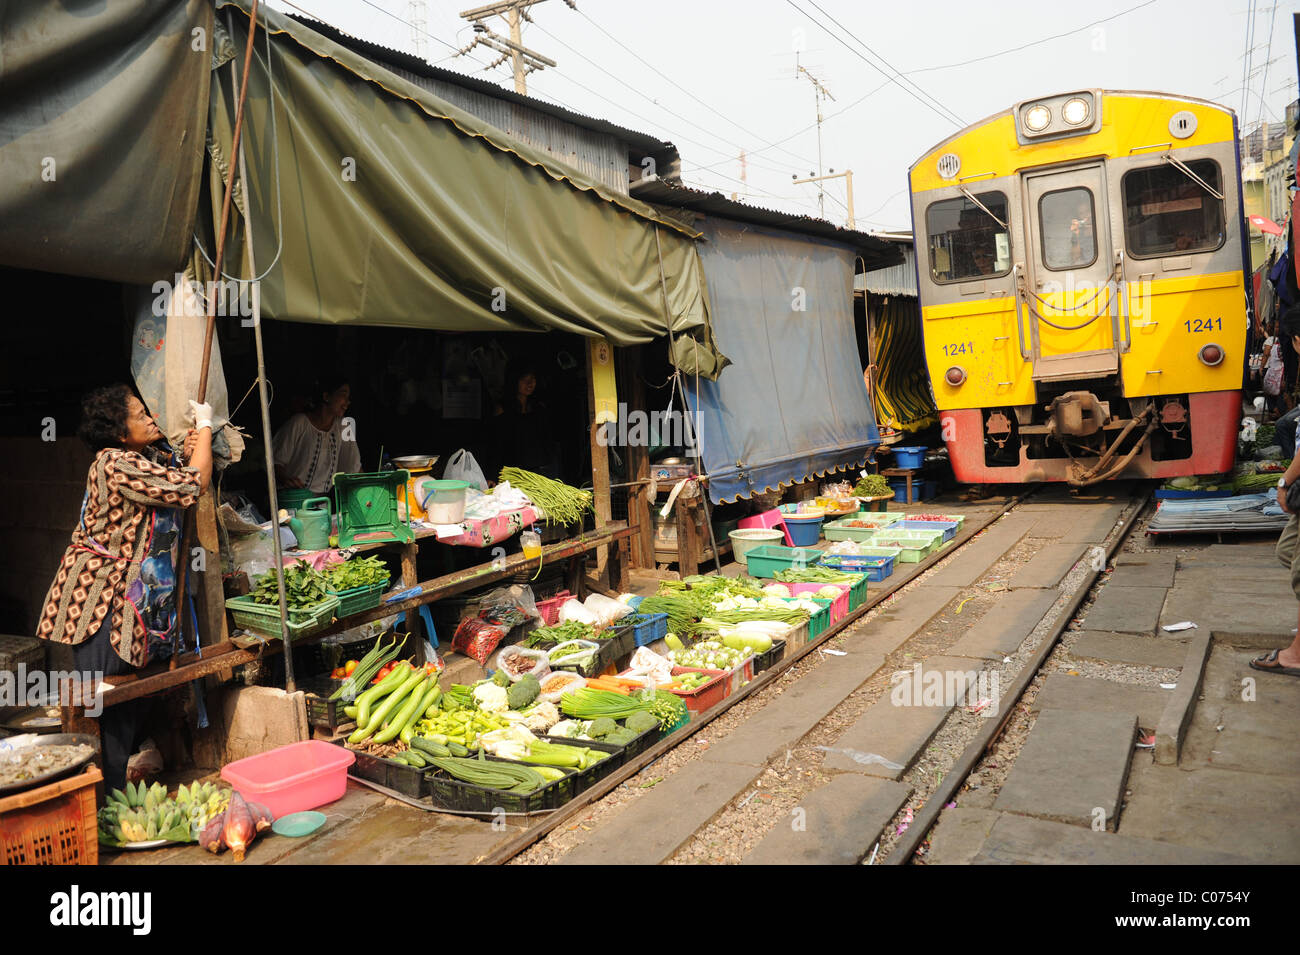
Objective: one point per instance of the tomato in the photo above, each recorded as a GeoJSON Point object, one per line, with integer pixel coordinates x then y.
{"type": "Point", "coordinates": [351, 665]}
{"type": "Point", "coordinates": [338, 674]}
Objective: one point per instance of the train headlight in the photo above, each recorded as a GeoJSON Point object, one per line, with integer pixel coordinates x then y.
{"type": "Point", "coordinates": [1038, 118]}
{"type": "Point", "coordinates": [955, 375]}
{"type": "Point", "coordinates": [1076, 111]}
{"type": "Point", "coordinates": [1210, 355]}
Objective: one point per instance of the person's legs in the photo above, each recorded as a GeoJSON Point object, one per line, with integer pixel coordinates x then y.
{"type": "Point", "coordinates": [118, 724]}
{"type": "Point", "coordinates": [1286, 431]}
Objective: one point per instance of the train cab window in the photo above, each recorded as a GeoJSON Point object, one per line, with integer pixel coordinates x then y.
{"type": "Point", "coordinates": [966, 242]}
{"type": "Point", "coordinates": [1067, 220]}
{"type": "Point", "coordinates": [1166, 212]}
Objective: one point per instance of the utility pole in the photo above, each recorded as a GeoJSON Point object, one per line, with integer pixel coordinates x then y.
{"type": "Point", "coordinates": [522, 60]}
{"type": "Point", "coordinates": [820, 92]}
{"type": "Point", "coordinates": [417, 16]}
{"type": "Point", "coordinates": [847, 176]}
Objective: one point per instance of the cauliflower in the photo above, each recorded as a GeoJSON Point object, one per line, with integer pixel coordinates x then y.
{"type": "Point", "coordinates": [491, 698]}
{"type": "Point", "coordinates": [542, 717]}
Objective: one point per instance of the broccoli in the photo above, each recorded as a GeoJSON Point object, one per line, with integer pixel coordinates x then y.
{"type": "Point", "coordinates": [641, 721]}
{"type": "Point", "coordinates": [601, 726]}
{"type": "Point", "coordinates": [501, 678]}
{"type": "Point", "coordinates": [523, 692]}
{"type": "Point", "coordinates": [620, 737]}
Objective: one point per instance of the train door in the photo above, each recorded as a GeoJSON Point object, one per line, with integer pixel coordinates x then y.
{"type": "Point", "coordinates": [1066, 290]}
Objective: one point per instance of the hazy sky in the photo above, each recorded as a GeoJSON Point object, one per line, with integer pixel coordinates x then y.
{"type": "Point", "coordinates": [718, 76]}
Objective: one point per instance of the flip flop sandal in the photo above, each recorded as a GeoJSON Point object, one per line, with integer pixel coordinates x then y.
{"type": "Point", "coordinates": [1261, 664]}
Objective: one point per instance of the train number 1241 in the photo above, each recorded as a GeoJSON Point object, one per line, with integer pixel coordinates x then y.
{"type": "Point", "coordinates": [964, 348]}
{"type": "Point", "coordinates": [1203, 324]}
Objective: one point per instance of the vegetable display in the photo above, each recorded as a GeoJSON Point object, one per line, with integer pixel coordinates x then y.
{"type": "Point", "coordinates": [710, 655]}
{"type": "Point", "coordinates": [358, 572]}
{"type": "Point", "coordinates": [816, 575]}
{"type": "Point", "coordinates": [236, 828]}
{"type": "Point", "coordinates": [510, 777]}
{"type": "Point", "coordinates": [304, 586]}
{"type": "Point", "coordinates": [872, 485]}
{"type": "Point", "coordinates": [561, 503]}
{"type": "Point", "coordinates": [368, 668]}
{"type": "Point", "coordinates": [589, 703]}
{"type": "Point", "coordinates": [547, 637]}
{"type": "Point", "coordinates": [391, 709]}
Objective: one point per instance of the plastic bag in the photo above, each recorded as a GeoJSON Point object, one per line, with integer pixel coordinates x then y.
{"type": "Point", "coordinates": [500, 611]}
{"type": "Point", "coordinates": [606, 610]}
{"type": "Point", "coordinates": [518, 662]}
{"type": "Point", "coordinates": [572, 609]}
{"type": "Point", "coordinates": [1273, 380]}
{"type": "Point", "coordinates": [462, 467]}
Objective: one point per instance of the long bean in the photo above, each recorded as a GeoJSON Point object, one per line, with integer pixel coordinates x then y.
{"type": "Point", "coordinates": [561, 503]}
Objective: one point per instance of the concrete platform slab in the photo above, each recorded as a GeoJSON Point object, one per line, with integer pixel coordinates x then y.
{"type": "Point", "coordinates": [959, 835]}
{"type": "Point", "coordinates": [1264, 580]}
{"type": "Point", "coordinates": [1003, 627]}
{"type": "Point", "coordinates": [654, 826]}
{"type": "Point", "coordinates": [1172, 728]}
{"type": "Point", "coordinates": [1089, 523]}
{"type": "Point", "coordinates": [1228, 613]}
{"type": "Point", "coordinates": [1017, 840]}
{"type": "Point", "coordinates": [1090, 695]}
{"type": "Point", "coordinates": [1049, 566]}
{"type": "Point", "coordinates": [1072, 768]}
{"type": "Point", "coordinates": [898, 619]}
{"type": "Point", "coordinates": [902, 722]}
{"type": "Point", "coordinates": [1253, 815]}
{"type": "Point", "coordinates": [983, 551]}
{"type": "Point", "coordinates": [1130, 648]}
{"type": "Point", "coordinates": [783, 721]}
{"type": "Point", "coordinates": [1144, 570]}
{"type": "Point", "coordinates": [839, 823]}
{"type": "Point", "coordinates": [1126, 609]}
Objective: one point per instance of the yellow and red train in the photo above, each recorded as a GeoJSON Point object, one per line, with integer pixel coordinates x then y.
{"type": "Point", "coordinates": [1082, 267]}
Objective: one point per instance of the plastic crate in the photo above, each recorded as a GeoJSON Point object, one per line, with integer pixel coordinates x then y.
{"type": "Point", "coordinates": [647, 627]}
{"type": "Point", "coordinates": [708, 695]}
{"type": "Point", "coordinates": [914, 545]}
{"type": "Point", "coordinates": [841, 531]}
{"type": "Point", "coordinates": [265, 618]}
{"type": "Point", "coordinates": [449, 792]}
{"type": "Point", "coordinates": [584, 779]}
{"type": "Point", "coordinates": [54, 824]}
{"type": "Point", "coordinates": [960, 519]}
{"type": "Point", "coordinates": [400, 778]}
{"type": "Point", "coordinates": [619, 640]}
{"type": "Point", "coordinates": [839, 605]}
{"type": "Point", "coordinates": [819, 622]}
{"type": "Point", "coordinates": [765, 561]}
{"type": "Point", "coordinates": [325, 655]}
{"type": "Point", "coordinates": [857, 593]}
{"type": "Point", "coordinates": [358, 599]}
{"type": "Point", "coordinates": [949, 528]}
{"type": "Point", "coordinates": [321, 710]}
{"type": "Point", "coordinates": [765, 661]}
{"type": "Point", "coordinates": [674, 727]}
{"type": "Point", "coordinates": [550, 608]}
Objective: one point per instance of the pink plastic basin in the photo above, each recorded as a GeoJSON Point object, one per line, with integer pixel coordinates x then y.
{"type": "Point", "coordinates": [293, 778]}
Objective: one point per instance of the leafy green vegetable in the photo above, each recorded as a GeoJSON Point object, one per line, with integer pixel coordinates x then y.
{"type": "Point", "coordinates": [304, 586]}
{"type": "Point", "coordinates": [358, 572]}
{"type": "Point", "coordinates": [873, 485]}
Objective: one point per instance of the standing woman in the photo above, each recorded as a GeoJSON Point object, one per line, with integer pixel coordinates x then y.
{"type": "Point", "coordinates": [311, 447]}
{"type": "Point", "coordinates": [112, 598]}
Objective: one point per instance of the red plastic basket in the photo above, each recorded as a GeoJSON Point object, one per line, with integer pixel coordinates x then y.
{"type": "Point", "coordinates": [53, 824]}
{"type": "Point", "coordinates": [550, 608]}
{"type": "Point", "coordinates": [706, 696]}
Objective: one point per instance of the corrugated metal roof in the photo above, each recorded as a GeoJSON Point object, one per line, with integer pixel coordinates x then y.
{"type": "Point", "coordinates": [387, 56]}
{"type": "Point", "coordinates": [897, 279]}
{"type": "Point", "coordinates": [876, 252]}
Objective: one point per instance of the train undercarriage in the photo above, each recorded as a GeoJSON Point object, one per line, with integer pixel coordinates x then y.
{"type": "Point", "coordinates": [1083, 436]}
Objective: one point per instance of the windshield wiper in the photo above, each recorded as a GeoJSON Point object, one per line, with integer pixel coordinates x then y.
{"type": "Point", "coordinates": [967, 193]}
{"type": "Point", "coordinates": [1187, 171]}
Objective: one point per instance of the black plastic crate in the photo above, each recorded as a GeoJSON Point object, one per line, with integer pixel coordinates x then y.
{"type": "Point", "coordinates": [321, 710]}
{"type": "Point", "coordinates": [586, 778]}
{"type": "Point", "coordinates": [393, 775]}
{"type": "Point", "coordinates": [765, 661]}
{"type": "Point", "coordinates": [326, 657]}
{"type": "Point", "coordinates": [451, 793]}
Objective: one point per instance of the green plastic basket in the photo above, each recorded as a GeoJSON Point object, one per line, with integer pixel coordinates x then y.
{"type": "Point", "coordinates": [819, 621]}
{"type": "Point", "coordinates": [265, 618]}
{"type": "Point", "coordinates": [858, 592]}
{"type": "Point", "coordinates": [767, 559]}
{"type": "Point", "coordinates": [840, 531]}
{"type": "Point", "coordinates": [357, 599]}
{"type": "Point", "coordinates": [914, 545]}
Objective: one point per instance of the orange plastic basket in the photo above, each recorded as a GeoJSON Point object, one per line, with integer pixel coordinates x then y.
{"type": "Point", "coordinates": [53, 824]}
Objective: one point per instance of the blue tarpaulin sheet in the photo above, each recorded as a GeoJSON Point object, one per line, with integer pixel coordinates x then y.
{"type": "Point", "coordinates": [794, 404]}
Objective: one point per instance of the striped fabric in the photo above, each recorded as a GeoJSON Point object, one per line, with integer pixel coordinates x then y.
{"type": "Point", "coordinates": [901, 384]}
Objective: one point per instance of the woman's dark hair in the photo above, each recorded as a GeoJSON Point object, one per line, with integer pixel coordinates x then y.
{"type": "Point", "coordinates": [326, 385]}
{"type": "Point", "coordinates": [103, 417]}
{"type": "Point", "coordinates": [1289, 323]}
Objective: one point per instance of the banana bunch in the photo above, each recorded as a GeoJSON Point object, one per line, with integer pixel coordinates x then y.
{"type": "Point", "coordinates": [143, 813]}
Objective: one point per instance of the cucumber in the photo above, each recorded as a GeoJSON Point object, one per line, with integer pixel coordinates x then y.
{"type": "Point", "coordinates": [415, 758]}
{"type": "Point", "coordinates": [426, 745]}
{"type": "Point", "coordinates": [457, 749]}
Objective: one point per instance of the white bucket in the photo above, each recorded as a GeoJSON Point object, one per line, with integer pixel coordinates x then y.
{"type": "Point", "coordinates": [746, 539]}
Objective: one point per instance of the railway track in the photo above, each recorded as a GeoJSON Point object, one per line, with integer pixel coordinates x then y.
{"type": "Point", "coordinates": [1034, 524]}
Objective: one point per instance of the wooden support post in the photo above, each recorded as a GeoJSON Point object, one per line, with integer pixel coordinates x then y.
{"type": "Point", "coordinates": [599, 457]}
{"type": "Point", "coordinates": [688, 538]}
{"type": "Point", "coordinates": [620, 557]}
{"type": "Point", "coordinates": [414, 624]}
{"type": "Point", "coordinates": [209, 598]}
{"type": "Point", "coordinates": [638, 458]}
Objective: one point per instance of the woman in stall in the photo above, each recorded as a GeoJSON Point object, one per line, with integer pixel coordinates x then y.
{"type": "Point", "coordinates": [113, 596]}
{"type": "Point", "coordinates": [312, 446]}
